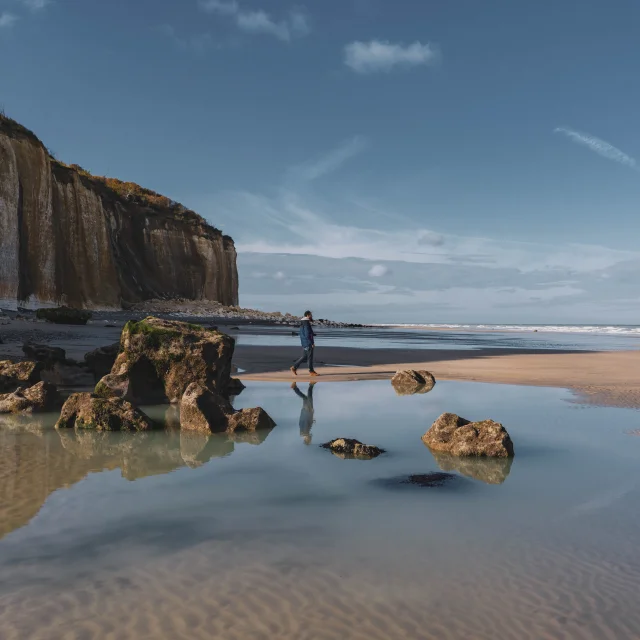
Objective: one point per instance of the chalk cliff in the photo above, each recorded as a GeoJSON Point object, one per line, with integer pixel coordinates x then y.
{"type": "Point", "coordinates": [67, 237]}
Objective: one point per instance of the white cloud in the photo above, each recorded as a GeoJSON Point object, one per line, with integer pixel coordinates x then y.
{"type": "Point", "coordinates": [377, 55]}
{"type": "Point", "coordinates": [378, 271]}
{"type": "Point", "coordinates": [601, 147]}
{"type": "Point", "coordinates": [279, 275]}
{"type": "Point", "coordinates": [329, 162]}
{"type": "Point", "coordinates": [7, 20]}
{"type": "Point", "coordinates": [430, 238]}
{"type": "Point", "coordinates": [36, 5]}
{"type": "Point", "coordinates": [295, 25]}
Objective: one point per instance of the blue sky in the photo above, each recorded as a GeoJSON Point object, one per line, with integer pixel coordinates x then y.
{"type": "Point", "coordinates": [459, 161]}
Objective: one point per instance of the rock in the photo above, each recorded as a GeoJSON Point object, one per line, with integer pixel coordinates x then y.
{"type": "Point", "coordinates": [250, 420]}
{"type": "Point", "coordinates": [159, 359]}
{"type": "Point", "coordinates": [44, 353]}
{"type": "Point", "coordinates": [202, 409]}
{"type": "Point", "coordinates": [64, 315]}
{"type": "Point", "coordinates": [352, 448]}
{"type": "Point", "coordinates": [433, 479]}
{"type": "Point", "coordinates": [38, 398]}
{"type": "Point", "coordinates": [410, 382]}
{"type": "Point", "coordinates": [88, 411]}
{"type": "Point", "coordinates": [18, 374]}
{"type": "Point", "coordinates": [69, 374]}
{"type": "Point", "coordinates": [235, 387]}
{"type": "Point", "coordinates": [487, 470]}
{"type": "Point", "coordinates": [459, 437]}
{"type": "Point", "coordinates": [100, 361]}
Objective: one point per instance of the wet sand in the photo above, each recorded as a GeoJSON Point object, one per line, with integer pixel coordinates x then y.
{"type": "Point", "coordinates": [602, 378]}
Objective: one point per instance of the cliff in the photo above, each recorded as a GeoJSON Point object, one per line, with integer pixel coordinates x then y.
{"type": "Point", "coordinates": [67, 237]}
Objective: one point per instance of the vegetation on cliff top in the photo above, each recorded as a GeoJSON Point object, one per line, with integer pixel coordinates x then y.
{"type": "Point", "coordinates": [119, 189]}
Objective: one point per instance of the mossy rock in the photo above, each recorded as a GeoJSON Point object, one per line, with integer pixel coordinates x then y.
{"type": "Point", "coordinates": [64, 315]}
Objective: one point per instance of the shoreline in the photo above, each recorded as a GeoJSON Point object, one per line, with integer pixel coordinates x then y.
{"type": "Point", "coordinates": [596, 377]}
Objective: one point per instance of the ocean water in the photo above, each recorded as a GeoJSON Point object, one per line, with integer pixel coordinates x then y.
{"type": "Point", "coordinates": [457, 337]}
{"type": "Point", "coordinates": [168, 536]}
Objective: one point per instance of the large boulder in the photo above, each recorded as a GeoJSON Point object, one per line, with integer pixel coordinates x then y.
{"type": "Point", "coordinates": [40, 397]}
{"type": "Point", "coordinates": [64, 315]}
{"type": "Point", "coordinates": [459, 437]}
{"type": "Point", "coordinates": [159, 359]}
{"type": "Point", "coordinates": [56, 367]}
{"type": "Point", "coordinates": [100, 361]}
{"type": "Point", "coordinates": [202, 409]}
{"type": "Point", "coordinates": [349, 448]}
{"type": "Point", "coordinates": [88, 411]}
{"type": "Point", "coordinates": [43, 353]}
{"type": "Point", "coordinates": [18, 374]}
{"type": "Point", "coordinates": [410, 382]}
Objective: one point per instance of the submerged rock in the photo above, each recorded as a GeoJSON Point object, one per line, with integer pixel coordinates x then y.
{"type": "Point", "coordinates": [159, 359]}
{"type": "Point", "coordinates": [18, 374]}
{"type": "Point", "coordinates": [350, 448]}
{"type": "Point", "coordinates": [459, 437]}
{"type": "Point", "coordinates": [433, 479]}
{"type": "Point", "coordinates": [64, 315]}
{"type": "Point", "coordinates": [88, 411]}
{"type": "Point", "coordinates": [40, 397]}
{"type": "Point", "coordinates": [487, 470]}
{"type": "Point", "coordinates": [410, 382]}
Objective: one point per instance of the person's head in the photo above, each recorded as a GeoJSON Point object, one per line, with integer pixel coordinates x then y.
{"type": "Point", "coordinates": [308, 314]}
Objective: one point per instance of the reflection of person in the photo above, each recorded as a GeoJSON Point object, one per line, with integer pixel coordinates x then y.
{"type": "Point", "coordinates": [306, 413]}
{"type": "Point", "coordinates": [307, 339]}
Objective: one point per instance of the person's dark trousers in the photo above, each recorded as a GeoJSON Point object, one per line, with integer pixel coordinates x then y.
{"type": "Point", "coordinates": [307, 356]}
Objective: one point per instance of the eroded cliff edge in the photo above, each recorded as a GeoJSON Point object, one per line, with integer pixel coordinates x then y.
{"type": "Point", "coordinates": [67, 237]}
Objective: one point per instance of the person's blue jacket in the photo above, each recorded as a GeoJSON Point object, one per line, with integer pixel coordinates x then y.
{"type": "Point", "coordinates": [306, 334]}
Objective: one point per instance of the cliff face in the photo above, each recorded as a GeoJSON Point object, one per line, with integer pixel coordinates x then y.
{"type": "Point", "coordinates": [69, 238]}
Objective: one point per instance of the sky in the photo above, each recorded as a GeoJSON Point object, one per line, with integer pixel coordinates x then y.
{"type": "Point", "coordinates": [374, 160]}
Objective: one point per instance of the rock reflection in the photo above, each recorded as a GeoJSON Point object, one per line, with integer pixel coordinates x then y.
{"type": "Point", "coordinates": [36, 460]}
{"type": "Point", "coordinates": [487, 470]}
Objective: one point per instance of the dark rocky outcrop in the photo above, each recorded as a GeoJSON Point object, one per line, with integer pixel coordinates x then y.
{"type": "Point", "coordinates": [56, 368]}
{"type": "Point", "coordinates": [64, 315]}
{"type": "Point", "coordinates": [18, 374]}
{"type": "Point", "coordinates": [352, 449]}
{"type": "Point", "coordinates": [70, 238]}
{"type": "Point", "coordinates": [487, 470]}
{"type": "Point", "coordinates": [100, 361]}
{"type": "Point", "coordinates": [459, 437]}
{"type": "Point", "coordinates": [88, 411]}
{"type": "Point", "coordinates": [43, 353]}
{"type": "Point", "coordinates": [235, 387]}
{"type": "Point", "coordinates": [40, 397]}
{"type": "Point", "coordinates": [410, 382]}
{"type": "Point", "coordinates": [159, 359]}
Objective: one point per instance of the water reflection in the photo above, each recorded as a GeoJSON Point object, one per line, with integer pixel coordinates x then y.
{"type": "Point", "coordinates": [487, 470]}
{"type": "Point", "coordinates": [306, 413]}
{"type": "Point", "coordinates": [36, 460]}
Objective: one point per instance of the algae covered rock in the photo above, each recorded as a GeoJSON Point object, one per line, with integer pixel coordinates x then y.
{"type": "Point", "coordinates": [410, 382]}
{"type": "Point", "coordinates": [64, 315]}
{"type": "Point", "coordinates": [18, 374]}
{"type": "Point", "coordinates": [159, 359]}
{"type": "Point", "coordinates": [40, 397]}
{"type": "Point", "coordinates": [88, 411]}
{"type": "Point", "coordinates": [459, 437]}
{"type": "Point", "coordinates": [349, 448]}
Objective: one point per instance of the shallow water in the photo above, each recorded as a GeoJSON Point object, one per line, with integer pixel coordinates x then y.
{"type": "Point", "coordinates": [168, 536]}
{"type": "Point", "coordinates": [457, 339]}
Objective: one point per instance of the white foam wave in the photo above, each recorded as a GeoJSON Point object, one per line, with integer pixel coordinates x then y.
{"type": "Point", "coordinates": [616, 330]}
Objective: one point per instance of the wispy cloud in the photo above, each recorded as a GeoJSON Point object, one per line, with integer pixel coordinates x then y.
{"type": "Point", "coordinates": [197, 44]}
{"type": "Point", "coordinates": [377, 55]}
{"type": "Point", "coordinates": [601, 147]}
{"type": "Point", "coordinates": [295, 25]}
{"type": "Point", "coordinates": [378, 271]}
{"type": "Point", "coordinates": [330, 161]}
{"type": "Point", "coordinates": [36, 5]}
{"type": "Point", "coordinates": [7, 20]}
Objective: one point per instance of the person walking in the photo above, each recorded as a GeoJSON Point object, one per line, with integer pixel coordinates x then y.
{"type": "Point", "coordinates": [307, 339]}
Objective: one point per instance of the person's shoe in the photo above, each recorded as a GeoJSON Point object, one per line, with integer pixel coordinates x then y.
{"type": "Point", "coordinates": [312, 373]}
{"type": "Point", "coordinates": [294, 371]}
